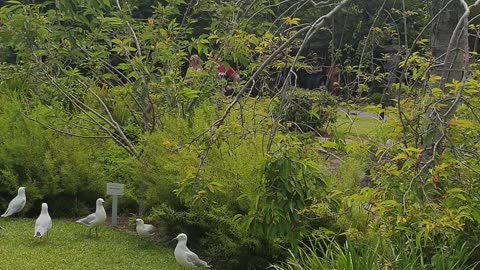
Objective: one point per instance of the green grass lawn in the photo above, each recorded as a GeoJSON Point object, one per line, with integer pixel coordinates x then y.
{"type": "Point", "coordinates": [69, 247]}
{"type": "Point", "coordinates": [357, 127]}
{"type": "Point", "coordinates": [362, 125]}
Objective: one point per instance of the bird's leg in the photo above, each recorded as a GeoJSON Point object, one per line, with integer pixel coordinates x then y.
{"type": "Point", "coordinates": [96, 231]}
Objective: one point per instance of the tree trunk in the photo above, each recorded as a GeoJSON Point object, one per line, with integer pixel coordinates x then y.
{"type": "Point", "coordinates": [449, 56]}
{"type": "Point", "coordinates": [449, 45]}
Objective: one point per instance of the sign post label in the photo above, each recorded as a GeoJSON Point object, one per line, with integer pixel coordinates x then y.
{"type": "Point", "coordinates": [115, 190]}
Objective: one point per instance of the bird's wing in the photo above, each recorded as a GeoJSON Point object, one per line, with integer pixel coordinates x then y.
{"type": "Point", "coordinates": [42, 225]}
{"type": "Point", "coordinates": [195, 260]}
{"type": "Point", "coordinates": [87, 220]}
{"type": "Point", "coordinates": [16, 205]}
{"type": "Point", "coordinates": [149, 228]}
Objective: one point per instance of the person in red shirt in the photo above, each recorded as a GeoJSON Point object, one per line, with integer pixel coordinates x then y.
{"type": "Point", "coordinates": [226, 74]}
{"type": "Point", "coordinates": [230, 74]}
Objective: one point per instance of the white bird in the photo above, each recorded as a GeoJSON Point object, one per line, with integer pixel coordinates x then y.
{"type": "Point", "coordinates": [43, 223]}
{"type": "Point", "coordinates": [185, 257]}
{"type": "Point", "coordinates": [95, 219]}
{"type": "Point", "coordinates": [16, 205]}
{"type": "Point", "coordinates": [144, 230]}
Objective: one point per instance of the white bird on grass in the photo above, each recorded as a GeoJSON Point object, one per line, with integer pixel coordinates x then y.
{"type": "Point", "coordinates": [43, 223]}
{"type": "Point", "coordinates": [144, 230]}
{"type": "Point", "coordinates": [16, 205]}
{"type": "Point", "coordinates": [96, 219]}
{"type": "Point", "coordinates": [185, 257]}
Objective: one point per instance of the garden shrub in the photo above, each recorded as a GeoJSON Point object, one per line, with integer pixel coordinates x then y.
{"type": "Point", "coordinates": [212, 231]}
{"type": "Point", "coordinates": [62, 171]}
{"type": "Point", "coordinates": [306, 110]}
{"type": "Point", "coordinates": [205, 208]}
{"type": "Point", "coordinates": [377, 98]}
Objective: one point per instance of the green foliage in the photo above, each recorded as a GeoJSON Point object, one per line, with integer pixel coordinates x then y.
{"type": "Point", "coordinates": [309, 110]}
{"type": "Point", "coordinates": [55, 169]}
{"type": "Point", "coordinates": [327, 253]}
{"type": "Point", "coordinates": [291, 182]}
{"type": "Point", "coordinates": [214, 233]}
{"type": "Point", "coordinates": [204, 204]}
{"type": "Point", "coordinates": [377, 98]}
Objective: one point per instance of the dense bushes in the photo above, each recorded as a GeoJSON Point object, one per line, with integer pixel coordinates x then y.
{"type": "Point", "coordinates": [64, 172]}
{"type": "Point", "coordinates": [204, 205]}
{"type": "Point", "coordinates": [308, 110]}
{"type": "Point", "coordinates": [213, 231]}
{"type": "Point", "coordinates": [235, 210]}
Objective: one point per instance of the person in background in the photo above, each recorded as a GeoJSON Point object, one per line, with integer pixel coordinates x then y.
{"type": "Point", "coordinates": [194, 72]}
{"type": "Point", "coordinates": [193, 78]}
{"type": "Point", "coordinates": [195, 63]}
{"type": "Point", "coordinates": [194, 67]}
{"type": "Point", "coordinates": [228, 74]}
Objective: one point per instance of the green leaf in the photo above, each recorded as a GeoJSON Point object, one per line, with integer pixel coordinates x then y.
{"type": "Point", "coordinates": [292, 21]}
{"type": "Point", "coordinates": [437, 93]}
{"type": "Point", "coordinates": [434, 79]}
{"type": "Point", "coordinates": [418, 239]}
{"type": "Point", "coordinates": [456, 193]}
{"type": "Point", "coordinates": [117, 41]}
{"type": "Point", "coordinates": [189, 93]}
{"type": "Point", "coordinates": [314, 113]}
{"type": "Point", "coordinates": [330, 145]}
{"type": "Point", "coordinates": [401, 156]}
{"type": "Point", "coordinates": [476, 216]}
{"type": "Point", "coordinates": [133, 74]}
{"type": "Point", "coordinates": [113, 21]}
{"type": "Point", "coordinates": [14, 2]}
{"type": "Point", "coordinates": [106, 3]}
{"type": "Point", "coordinates": [123, 66]}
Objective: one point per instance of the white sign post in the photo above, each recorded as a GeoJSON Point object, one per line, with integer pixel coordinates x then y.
{"type": "Point", "coordinates": [115, 190]}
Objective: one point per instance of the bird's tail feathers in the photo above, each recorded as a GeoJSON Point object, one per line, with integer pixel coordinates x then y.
{"type": "Point", "coordinates": [38, 234]}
